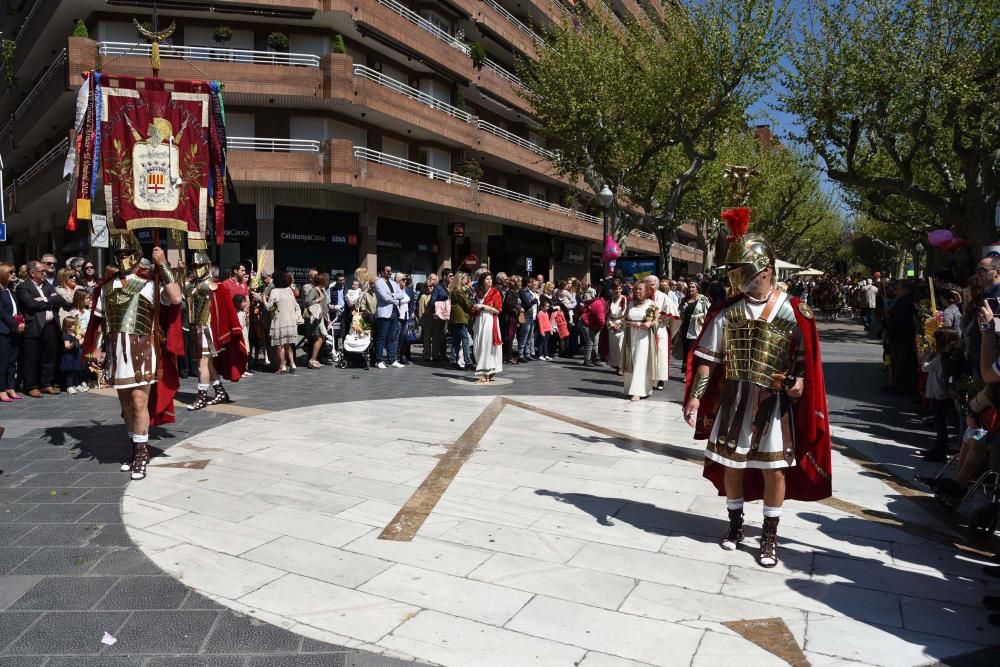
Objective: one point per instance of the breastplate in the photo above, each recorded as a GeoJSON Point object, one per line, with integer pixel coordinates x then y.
{"type": "Point", "coordinates": [126, 309]}
{"type": "Point", "coordinates": [756, 350]}
{"type": "Point", "coordinates": [199, 302]}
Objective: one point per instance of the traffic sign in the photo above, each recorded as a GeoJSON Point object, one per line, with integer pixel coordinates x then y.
{"type": "Point", "coordinates": [98, 231]}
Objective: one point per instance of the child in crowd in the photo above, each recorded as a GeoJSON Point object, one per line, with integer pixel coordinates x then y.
{"type": "Point", "coordinates": [354, 294]}
{"type": "Point", "coordinates": [544, 327]}
{"type": "Point", "coordinates": [243, 315]}
{"type": "Point", "coordinates": [560, 328]}
{"type": "Point", "coordinates": [71, 363]}
{"type": "Point", "coordinates": [937, 365]}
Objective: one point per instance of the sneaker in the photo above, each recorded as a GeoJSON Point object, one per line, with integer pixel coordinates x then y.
{"type": "Point", "coordinates": [381, 365]}
{"type": "Point", "coordinates": [396, 364]}
{"type": "Point", "coordinates": [83, 387]}
{"type": "Point", "coordinates": [71, 390]}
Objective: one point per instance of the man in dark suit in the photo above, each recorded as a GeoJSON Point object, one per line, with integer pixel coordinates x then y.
{"type": "Point", "coordinates": [40, 304]}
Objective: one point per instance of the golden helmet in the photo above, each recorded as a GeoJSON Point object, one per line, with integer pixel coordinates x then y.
{"type": "Point", "coordinates": [747, 256]}
{"type": "Point", "coordinates": [126, 250]}
{"type": "Point", "coordinates": [201, 265]}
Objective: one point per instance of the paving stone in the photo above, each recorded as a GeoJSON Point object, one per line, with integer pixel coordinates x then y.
{"type": "Point", "coordinates": [129, 561]}
{"type": "Point", "coordinates": [164, 632]}
{"type": "Point", "coordinates": [52, 480]}
{"type": "Point", "coordinates": [12, 532]}
{"type": "Point", "coordinates": [13, 512]}
{"type": "Point", "coordinates": [104, 494]}
{"type": "Point", "coordinates": [113, 535]}
{"type": "Point", "coordinates": [11, 557]}
{"type": "Point", "coordinates": [65, 593]}
{"type": "Point", "coordinates": [12, 495]}
{"type": "Point", "coordinates": [13, 586]}
{"type": "Point", "coordinates": [57, 495]}
{"type": "Point", "coordinates": [245, 634]}
{"type": "Point", "coordinates": [59, 560]}
{"type": "Point", "coordinates": [22, 661]}
{"type": "Point", "coordinates": [157, 592]}
{"type": "Point", "coordinates": [197, 661]}
{"type": "Point", "coordinates": [57, 534]}
{"type": "Point", "coordinates": [72, 633]}
{"type": "Point", "coordinates": [100, 661]}
{"type": "Point", "coordinates": [108, 513]}
{"type": "Point", "coordinates": [56, 513]}
{"type": "Point", "coordinates": [198, 601]}
{"type": "Point", "coordinates": [298, 661]}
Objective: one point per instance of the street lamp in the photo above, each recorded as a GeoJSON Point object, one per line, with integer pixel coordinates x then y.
{"type": "Point", "coordinates": [604, 199]}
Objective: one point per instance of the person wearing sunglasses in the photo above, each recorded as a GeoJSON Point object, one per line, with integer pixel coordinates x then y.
{"type": "Point", "coordinates": [88, 277]}
{"type": "Point", "coordinates": [50, 265]}
{"type": "Point", "coordinates": [38, 299]}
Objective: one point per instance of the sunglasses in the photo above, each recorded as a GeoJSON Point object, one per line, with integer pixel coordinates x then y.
{"type": "Point", "coordinates": [49, 263]}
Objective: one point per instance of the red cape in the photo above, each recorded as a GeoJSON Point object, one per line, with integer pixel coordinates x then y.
{"type": "Point", "coordinates": [161, 395]}
{"type": "Point", "coordinates": [493, 299]}
{"type": "Point", "coordinates": [231, 362]}
{"type": "Point", "coordinates": [811, 476]}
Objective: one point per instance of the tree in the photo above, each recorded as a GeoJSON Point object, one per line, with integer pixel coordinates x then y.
{"type": "Point", "coordinates": [641, 111]}
{"type": "Point", "coordinates": [901, 101]}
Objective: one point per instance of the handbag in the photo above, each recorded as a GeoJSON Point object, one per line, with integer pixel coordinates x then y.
{"type": "Point", "coordinates": [298, 315]}
{"type": "Point", "coordinates": [412, 334]}
{"type": "Point", "coordinates": [442, 310]}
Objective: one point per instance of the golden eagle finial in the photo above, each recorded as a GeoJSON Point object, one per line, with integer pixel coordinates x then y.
{"type": "Point", "coordinates": [155, 37]}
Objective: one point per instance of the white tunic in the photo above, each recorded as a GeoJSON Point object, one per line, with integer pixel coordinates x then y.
{"type": "Point", "coordinates": [770, 452]}
{"type": "Point", "coordinates": [489, 357]}
{"type": "Point", "coordinates": [668, 313]}
{"type": "Point", "coordinates": [638, 381]}
{"type": "Point", "coordinates": [616, 338]}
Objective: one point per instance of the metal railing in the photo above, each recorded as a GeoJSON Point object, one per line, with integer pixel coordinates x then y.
{"type": "Point", "coordinates": [504, 74]}
{"type": "Point", "coordinates": [611, 13]}
{"type": "Point", "coordinates": [514, 139]}
{"type": "Point", "coordinates": [369, 155]}
{"type": "Point", "coordinates": [211, 53]}
{"type": "Point", "coordinates": [7, 127]}
{"type": "Point", "coordinates": [268, 145]}
{"type": "Point", "coordinates": [51, 156]}
{"type": "Point", "coordinates": [26, 22]}
{"type": "Point", "coordinates": [561, 6]}
{"type": "Point", "coordinates": [411, 92]}
{"type": "Point", "coordinates": [514, 21]}
{"type": "Point", "coordinates": [419, 21]}
{"type": "Point", "coordinates": [534, 201]}
{"type": "Point", "coordinates": [52, 70]}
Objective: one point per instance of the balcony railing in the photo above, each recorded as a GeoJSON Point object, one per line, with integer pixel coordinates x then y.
{"type": "Point", "coordinates": [611, 13]}
{"type": "Point", "coordinates": [7, 127]}
{"type": "Point", "coordinates": [419, 21]}
{"type": "Point", "coordinates": [411, 92]}
{"type": "Point", "coordinates": [54, 153]}
{"type": "Point", "coordinates": [27, 21]}
{"type": "Point", "coordinates": [513, 138]}
{"type": "Point", "coordinates": [211, 53]}
{"type": "Point", "coordinates": [515, 22]}
{"type": "Point", "coordinates": [504, 74]}
{"type": "Point", "coordinates": [561, 7]}
{"type": "Point", "coordinates": [267, 145]}
{"type": "Point", "coordinates": [534, 201]}
{"type": "Point", "coordinates": [368, 155]}
{"type": "Point", "coordinates": [53, 70]}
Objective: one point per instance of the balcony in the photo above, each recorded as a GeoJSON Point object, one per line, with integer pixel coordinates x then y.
{"type": "Point", "coordinates": [48, 103]}
{"type": "Point", "coordinates": [292, 162]}
{"type": "Point", "coordinates": [37, 181]}
{"type": "Point", "coordinates": [497, 81]}
{"type": "Point", "coordinates": [499, 22]}
{"type": "Point", "coordinates": [250, 76]}
{"type": "Point", "coordinates": [632, 9]}
{"type": "Point", "coordinates": [393, 23]}
{"type": "Point", "coordinates": [685, 253]}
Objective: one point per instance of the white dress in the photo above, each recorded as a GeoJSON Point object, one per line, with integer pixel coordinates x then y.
{"type": "Point", "coordinates": [639, 380]}
{"type": "Point", "coordinates": [489, 357]}
{"type": "Point", "coordinates": [616, 310]}
{"type": "Point", "coordinates": [668, 315]}
{"type": "Point", "coordinates": [771, 451]}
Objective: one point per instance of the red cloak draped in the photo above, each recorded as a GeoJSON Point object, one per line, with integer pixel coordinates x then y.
{"type": "Point", "coordinates": [161, 395]}
{"type": "Point", "coordinates": [493, 299]}
{"type": "Point", "coordinates": [810, 477]}
{"type": "Point", "coordinates": [231, 362]}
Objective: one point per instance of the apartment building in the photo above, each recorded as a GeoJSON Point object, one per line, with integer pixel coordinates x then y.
{"type": "Point", "coordinates": [385, 132]}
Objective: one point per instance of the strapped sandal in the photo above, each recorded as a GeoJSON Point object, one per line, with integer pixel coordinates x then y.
{"type": "Point", "coordinates": [221, 396]}
{"type": "Point", "coordinates": [127, 463]}
{"type": "Point", "coordinates": [732, 539]}
{"type": "Point", "coordinates": [140, 460]}
{"type": "Point", "coordinates": [769, 542]}
{"type": "Point", "coordinates": [200, 402]}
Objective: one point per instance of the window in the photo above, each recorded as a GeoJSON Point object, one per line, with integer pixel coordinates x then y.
{"type": "Point", "coordinates": [437, 21]}
{"type": "Point", "coordinates": [436, 89]}
{"type": "Point", "coordinates": [436, 158]}
{"type": "Point", "coordinates": [240, 124]}
{"type": "Point", "coordinates": [395, 148]}
{"type": "Point", "coordinates": [199, 36]}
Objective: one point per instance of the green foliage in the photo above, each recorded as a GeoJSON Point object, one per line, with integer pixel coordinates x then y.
{"type": "Point", "coordinates": [478, 55]}
{"type": "Point", "coordinates": [222, 35]}
{"type": "Point", "coordinates": [645, 111]}
{"type": "Point", "coordinates": [460, 100]}
{"type": "Point", "coordinates": [7, 53]}
{"type": "Point", "coordinates": [278, 41]}
{"type": "Point", "coordinates": [80, 29]}
{"type": "Point", "coordinates": [469, 169]}
{"type": "Point", "coordinates": [900, 99]}
{"type": "Point", "coordinates": [338, 44]}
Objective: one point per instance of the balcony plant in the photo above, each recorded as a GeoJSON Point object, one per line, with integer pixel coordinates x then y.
{"type": "Point", "coordinates": [222, 35]}
{"type": "Point", "coordinates": [7, 47]}
{"type": "Point", "coordinates": [460, 101]}
{"type": "Point", "coordinates": [470, 169]}
{"type": "Point", "coordinates": [478, 55]}
{"type": "Point", "coordinates": [80, 29]}
{"type": "Point", "coordinates": [278, 41]}
{"type": "Point", "coordinates": [338, 44]}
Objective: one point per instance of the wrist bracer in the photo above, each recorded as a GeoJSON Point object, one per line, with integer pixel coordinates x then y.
{"type": "Point", "coordinates": [700, 386]}
{"type": "Point", "coordinates": [166, 274]}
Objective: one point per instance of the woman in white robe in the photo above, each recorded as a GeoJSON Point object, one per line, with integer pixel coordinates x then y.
{"type": "Point", "coordinates": [487, 347]}
{"type": "Point", "coordinates": [639, 349]}
{"type": "Point", "coordinates": [615, 322]}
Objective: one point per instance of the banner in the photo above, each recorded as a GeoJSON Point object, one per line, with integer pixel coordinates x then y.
{"type": "Point", "coordinates": [154, 147]}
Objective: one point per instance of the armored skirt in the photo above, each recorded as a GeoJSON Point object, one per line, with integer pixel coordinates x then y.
{"type": "Point", "coordinates": [202, 341]}
{"type": "Point", "coordinates": [754, 427]}
{"type": "Point", "coordinates": [132, 354]}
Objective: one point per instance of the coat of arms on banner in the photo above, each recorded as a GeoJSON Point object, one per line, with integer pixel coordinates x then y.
{"type": "Point", "coordinates": [156, 169]}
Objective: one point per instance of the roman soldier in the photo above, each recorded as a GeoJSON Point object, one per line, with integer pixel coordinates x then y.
{"type": "Point", "coordinates": [216, 338]}
{"type": "Point", "coordinates": [755, 390]}
{"type": "Point", "coordinates": [135, 326]}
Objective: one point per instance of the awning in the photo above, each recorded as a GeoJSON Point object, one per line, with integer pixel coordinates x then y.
{"type": "Point", "coordinates": [782, 265]}
{"type": "Point", "coordinates": [810, 272]}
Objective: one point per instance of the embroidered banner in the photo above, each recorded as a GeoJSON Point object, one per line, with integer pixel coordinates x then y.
{"type": "Point", "coordinates": [154, 147]}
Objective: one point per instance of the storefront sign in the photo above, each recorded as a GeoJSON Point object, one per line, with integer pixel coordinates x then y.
{"type": "Point", "coordinates": [529, 265]}
{"type": "Point", "coordinates": [305, 238]}
{"type": "Point", "coordinates": [458, 229]}
{"type": "Point", "coordinates": [574, 253]}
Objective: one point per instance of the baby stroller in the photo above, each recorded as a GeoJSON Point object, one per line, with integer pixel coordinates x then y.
{"type": "Point", "coordinates": [355, 346]}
